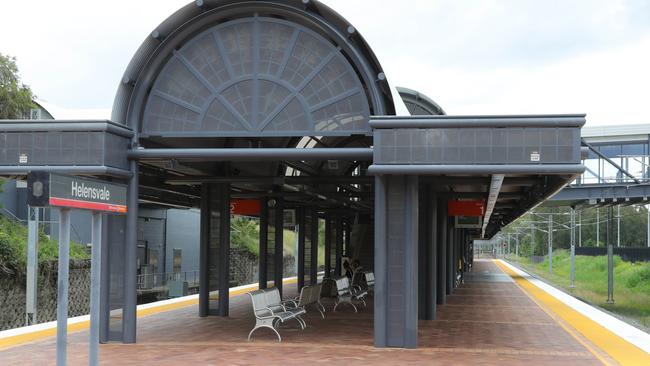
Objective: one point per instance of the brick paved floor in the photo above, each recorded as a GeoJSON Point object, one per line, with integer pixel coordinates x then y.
{"type": "Point", "coordinates": [488, 321]}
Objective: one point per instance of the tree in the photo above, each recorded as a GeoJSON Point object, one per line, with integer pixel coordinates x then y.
{"type": "Point", "coordinates": [15, 97]}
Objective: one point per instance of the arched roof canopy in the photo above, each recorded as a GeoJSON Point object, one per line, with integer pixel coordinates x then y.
{"type": "Point", "coordinates": [419, 104]}
{"type": "Point", "coordinates": [219, 69]}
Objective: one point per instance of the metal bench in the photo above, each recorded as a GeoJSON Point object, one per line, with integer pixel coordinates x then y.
{"type": "Point", "coordinates": [370, 280]}
{"type": "Point", "coordinates": [270, 311]}
{"type": "Point", "coordinates": [309, 296]}
{"type": "Point", "coordinates": [347, 293]}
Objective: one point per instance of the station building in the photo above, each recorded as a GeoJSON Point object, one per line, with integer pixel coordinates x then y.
{"type": "Point", "coordinates": [284, 102]}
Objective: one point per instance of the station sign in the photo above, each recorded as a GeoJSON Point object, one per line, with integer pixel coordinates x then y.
{"type": "Point", "coordinates": [466, 208]}
{"type": "Point", "coordinates": [48, 189]}
{"type": "Point", "coordinates": [245, 207]}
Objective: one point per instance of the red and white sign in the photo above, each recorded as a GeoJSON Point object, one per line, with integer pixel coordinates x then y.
{"type": "Point", "coordinates": [465, 208]}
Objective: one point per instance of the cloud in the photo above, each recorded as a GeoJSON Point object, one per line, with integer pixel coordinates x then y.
{"type": "Point", "coordinates": [472, 56]}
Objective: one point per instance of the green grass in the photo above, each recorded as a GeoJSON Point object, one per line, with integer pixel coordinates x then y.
{"type": "Point", "coordinates": [13, 247]}
{"type": "Point", "coordinates": [631, 282]}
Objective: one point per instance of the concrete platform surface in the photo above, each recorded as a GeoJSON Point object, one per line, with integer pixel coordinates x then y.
{"type": "Point", "coordinates": [487, 321]}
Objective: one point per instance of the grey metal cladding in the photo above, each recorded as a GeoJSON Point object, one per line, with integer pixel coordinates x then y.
{"type": "Point", "coordinates": [257, 76]}
{"type": "Point", "coordinates": [533, 145]}
{"type": "Point", "coordinates": [63, 148]}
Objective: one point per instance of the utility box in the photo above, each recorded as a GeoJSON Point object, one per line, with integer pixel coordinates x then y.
{"type": "Point", "coordinates": [177, 288]}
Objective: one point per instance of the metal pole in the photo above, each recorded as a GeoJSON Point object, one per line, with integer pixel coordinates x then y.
{"type": "Point", "coordinates": [647, 208]}
{"type": "Point", "coordinates": [532, 241]}
{"type": "Point", "coordinates": [95, 272]}
{"type": "Point", "coordinates": [597, 226]}
{"type": "Point", "coordinates": [572, 274]}
{"type": "Point", "coordinates": [550, 243]}
{"type": "Point", "coordinates": [580, 228]}
{"type": "Point", "coordinates": [618, 226]}
{"type": "Point", "coordinates": [62, 288]}
{"type": "Point", "coordinates": [610, 259]}
{"type": "Point", "coordinates": [517, 246]}
{"type": "Point", "coordinates": [31, 304]}
{"type": "Point", "coordinates": [508, 243]}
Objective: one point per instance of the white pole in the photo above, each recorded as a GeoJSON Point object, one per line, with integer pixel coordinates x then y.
{"type": "Point", "coordinates": [597, 226]}
{"type": "Point", "coordinates": [618, 226]}
{"type": "Point", "coordinates": [31, 305]}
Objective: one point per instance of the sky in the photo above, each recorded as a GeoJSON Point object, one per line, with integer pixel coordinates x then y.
{"type": "Point", "coordinates": [470, 56]}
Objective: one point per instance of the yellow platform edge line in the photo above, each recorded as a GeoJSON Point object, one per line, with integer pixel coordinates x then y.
{"type": "Point", "coordinates": [616, 347]}
{"type": "Point", "coordinates": [83, 325]}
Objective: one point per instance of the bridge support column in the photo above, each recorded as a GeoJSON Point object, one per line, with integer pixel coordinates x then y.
{"type": "Point", "coordinates": [396, 261]}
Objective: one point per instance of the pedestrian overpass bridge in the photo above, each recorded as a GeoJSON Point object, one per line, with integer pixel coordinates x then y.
{"type": "Point", "coordinates": [617, 168]}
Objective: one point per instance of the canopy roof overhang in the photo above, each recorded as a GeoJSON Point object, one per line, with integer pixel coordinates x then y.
{"type": "Point", "coordinates": [513, 163]}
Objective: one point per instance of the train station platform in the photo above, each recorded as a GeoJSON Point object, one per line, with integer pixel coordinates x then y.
{"type": "Point", "coordinates": [492, 319]}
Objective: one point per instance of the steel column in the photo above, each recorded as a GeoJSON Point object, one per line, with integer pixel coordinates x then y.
{"type": "Point", "coordinates": [264, 238]}
{"type": "Point", "coordinates": [104, 288]}
{"type": "Point", "coordinates": [300, 256]}
{"type": "Point", "coordinates": [204, 243]}
{"type": "Point", "coordinates": [279, 244]}
{"type": "Point", "coordinates": [328, 246]}
{"type": "Point", "coordinates": [451, 233]}
{"type": "Point", "coordinates": [381, 263]}
{"type": "Point", "coordinates": [129, 317]}
{"type": "Point", "coordinates": [441, 245]}
{"type": "Point", "coordinates": [339, 245]}
{"type": "Point", "coordinates": [62, 288]}
{"type": "Point", "coordinates": [431, 256]}
{"type": "Point", "coordinates": [31, 288]}
{"type": "Point", "coordinates": [95, 273]}
{"type": "Point", "coordinates": [314, 248]}
{"type": "Point", "coordinates": [396, 241]}
{"type": "Point", "coordinates": [224, 249]}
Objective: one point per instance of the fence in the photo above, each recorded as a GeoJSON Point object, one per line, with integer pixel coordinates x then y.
{"type": "Point", "coordinates": [627, 254]}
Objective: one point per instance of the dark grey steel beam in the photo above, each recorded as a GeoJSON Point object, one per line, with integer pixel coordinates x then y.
{"type": "Point", "coordinates": [65, 126]}
{"type": "Point", "coordinates": [521, 121]}
{"type": "Point", "coordinates": [261, 154]}
{"type": "Point", "coordinates": [545, 169]}
{"type": "Point", "coordinates": [65, 169]}
{"type": "Point", "coordinates": [273, 180]}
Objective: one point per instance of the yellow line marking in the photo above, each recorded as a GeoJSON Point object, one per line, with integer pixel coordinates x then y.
{"type": "Point", "coordinates": [76, 327]}
{"type": "Point", "coordinates": [616, 347]}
